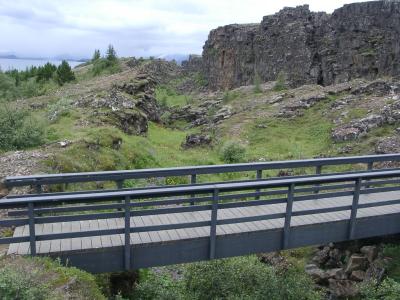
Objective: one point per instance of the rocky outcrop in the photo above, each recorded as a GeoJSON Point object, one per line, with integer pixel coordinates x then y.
{"type": "Point", "coordinates": [193, 64]}
{"type": "Point", "coordinates": [341, 267]}
{"type": "Point", "coordinates": [357, 40]}
{"type": "Point", "coordinates": [128, 106]}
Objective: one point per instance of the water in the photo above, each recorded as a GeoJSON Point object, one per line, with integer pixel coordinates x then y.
{"type": "Point", "coordinates": [22, 64]}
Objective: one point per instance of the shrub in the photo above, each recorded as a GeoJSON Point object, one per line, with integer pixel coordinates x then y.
{"type": "Point", "coordinates": [103, 65]}
{"type": "Point", "coordinates": [389, 289]}
{"type": "Point", "coordinates": [280, 84]}
{"type": "Point", "coordinates": [59, 109]}
{"type": "Point", "coordinates": [233, 152]}
{"type": "Point", "coordinates": [42, 278]}
{"type": "Point", "coordinates": [19, 130]}
{"type": "Point", "coordinates": [234, 278]}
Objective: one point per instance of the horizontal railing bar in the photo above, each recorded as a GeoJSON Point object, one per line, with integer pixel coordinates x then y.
{"type": "Point", "coordinates": [78, 234]}
{"type": "Point", "coordinates": [380, 203]}
{"type": "Point", "coordinates": [188, 190]}
{"type": "Point", "coordinates": [251, 219]}
{"type": "Point", "coordinates": [170, 226]}
{"type": "Point", "coordinates": [197, 184]}
{"type": "Point", "coordinates": [320, 210]}
{"type": "Point", "coordinates": [191, 208]}
{"type": "Point", "coordinates": [13, 222]}
{"type": "Point", "coordinates": [82, 217]}
{"type": "Point", "coordinates": [13, 240]}
{"type": "Point", "coordinates": [182, 171]}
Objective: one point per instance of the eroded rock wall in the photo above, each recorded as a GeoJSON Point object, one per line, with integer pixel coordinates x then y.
{"type": "Point", "coordinates": [357, 40]}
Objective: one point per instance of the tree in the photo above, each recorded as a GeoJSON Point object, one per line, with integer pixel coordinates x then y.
{"type": "Point", "coordinates": [64, 73]}
{"type": "Point", "coordinates": [96, 55]}
{"type": "Point", "coordinates": [111, 55]}
{"type": "Point", "coordinates": [46, 72]}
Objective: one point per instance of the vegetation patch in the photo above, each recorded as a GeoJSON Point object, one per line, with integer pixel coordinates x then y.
{"type": "Point", "coordinates": [19, 130]}
{"type": "Point", "coordinates": [42, 279]}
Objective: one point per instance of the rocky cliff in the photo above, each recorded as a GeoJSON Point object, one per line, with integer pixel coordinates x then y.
{"type": "Point", "coordinates": [357, 40]}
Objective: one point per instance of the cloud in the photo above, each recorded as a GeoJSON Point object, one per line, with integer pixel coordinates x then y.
{"type": "Point", "coordinates": [135, 27]}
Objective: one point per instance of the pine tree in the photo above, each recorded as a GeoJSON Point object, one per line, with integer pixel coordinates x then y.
{"type": "Point", "coordinates": [96, 55]}
{"type": "Point", "coordinates": [111, 55]}
{"type": "Point", "coordinates": [64, 73]}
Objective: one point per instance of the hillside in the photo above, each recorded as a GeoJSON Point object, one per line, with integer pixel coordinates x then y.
{"type": "Point", "coordinates": [214, 109]}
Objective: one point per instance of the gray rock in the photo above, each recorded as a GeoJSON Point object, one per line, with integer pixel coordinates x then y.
{"type": "Point", "coordinates": [196, 140]}
{"type": "Point", "coordinates": [357, 275]}
{"type": "Point", "coordinates": [356, 262]}
{"type": "Point", "coordinates": [371, 252]}
{"type": "Point", "coordinates": [318, 275]}
{"type": "Point", "coordinates": [343, 288]}
{"type": "Point", "coordinates": [356, 40]}
{"type": "Point", "coordinates": [130, 121]}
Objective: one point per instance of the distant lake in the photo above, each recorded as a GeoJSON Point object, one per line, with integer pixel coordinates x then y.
{"type": "Point", "coordinates": [22, 64]}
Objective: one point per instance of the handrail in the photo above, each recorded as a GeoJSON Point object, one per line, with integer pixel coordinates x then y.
{"type": "Point", "coordinates": [194, 189]}
{"type": "Point", "coordinates": [213, 201]}
{"type": "Point", "coordinates": [193, 171]}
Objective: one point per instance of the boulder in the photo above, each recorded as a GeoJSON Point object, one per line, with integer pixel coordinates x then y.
{"type": "Point", "coordinates": [318, 275]}
{"type": "Point", "coordinates": [371, 252]}
{"type": "Point", "coordinates": [357, 275]}
{"type": "Point", "coordinates": [131, 122]}
{"type": "Point", "coordinates": [343, 288]}
{"type": "Point", "coordinates": [376, 271]}
{"type": "Point", "coordinates": [321, 256]}
{"type": "Point", "coordinates": [196, 140]}
{"type": "Point", "coordinates": [388, 145]}
{"type": "Point", "coordinates": [356, 262]}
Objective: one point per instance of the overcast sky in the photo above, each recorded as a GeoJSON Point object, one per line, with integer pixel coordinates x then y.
{"type": "Point", "coordinates": [48, 28]}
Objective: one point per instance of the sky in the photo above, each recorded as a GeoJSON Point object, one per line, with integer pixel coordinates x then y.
{"type": "Point", "coordinates": [50, 28]}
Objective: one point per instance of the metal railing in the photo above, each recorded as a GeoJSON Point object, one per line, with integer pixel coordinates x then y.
{"type": "Point", "coordinates": [46, 209]}
{"type": "Point", "coordinates": [38, 181]}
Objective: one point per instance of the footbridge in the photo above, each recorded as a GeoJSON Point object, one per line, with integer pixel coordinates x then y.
{"type": "Point", "coordinates": [126, 227]}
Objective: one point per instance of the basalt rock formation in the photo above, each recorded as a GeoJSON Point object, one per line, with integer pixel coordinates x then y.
{"type": "Point", "coordinates": [357, 40]}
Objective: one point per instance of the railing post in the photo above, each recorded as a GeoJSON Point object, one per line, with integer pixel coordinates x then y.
{"type": "Point", "coordinates": [38, 188]}
{"type": "Point", "coordinates": [354, 206]}
{"type": "Point", "coordinates": [288, 217]}
{"type": "Point", "coordinates": [213, 227]}
{"type": "Point", "coordinates": [259, 177]}
{"type": "Point", "coordinates": [193, 180]}
{"type": "Point", "coordinates": [127, 248]}
{"type": "Point", "coordinates": [370, 166]}
{"type": "Point", "coordinates": [318, 170]}
{"type": "Point", "coordinates": [32, 234]}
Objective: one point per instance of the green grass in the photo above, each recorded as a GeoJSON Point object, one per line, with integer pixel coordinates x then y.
{"type": "Point", "coordinates": [302, 137]}
{"type": "Point", "coordinates": [392, 251]}
{"type": "Point", "coordinates": [167, 96]}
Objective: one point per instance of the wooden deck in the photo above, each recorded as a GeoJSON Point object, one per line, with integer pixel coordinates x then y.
{"type": "Point", "coordinates": [65, 247]}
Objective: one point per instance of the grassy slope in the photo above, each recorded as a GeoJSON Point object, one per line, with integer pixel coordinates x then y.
{"type": "Point", "coordinates": [302, 137]}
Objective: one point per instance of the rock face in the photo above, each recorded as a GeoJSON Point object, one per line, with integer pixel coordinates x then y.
{"type": "Point", "coordinates": [357, 40]}
{"type": "Point", "coordinates": [193, 64]}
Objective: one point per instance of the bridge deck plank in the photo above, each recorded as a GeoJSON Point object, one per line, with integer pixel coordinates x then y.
{"type": "Point", "coordinates": [190, 233]}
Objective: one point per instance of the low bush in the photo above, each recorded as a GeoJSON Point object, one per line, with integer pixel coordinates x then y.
{"type": "Point", "coordinates": [389, 289]}
{"type": "Point", "coordinates": [19, 130]}
{"type": "Point", "coordinates": [232, 152]}
{"type": "Point", "coordinates": [44, 279]}
{"type": "Point", "coordinates": [234, 278]}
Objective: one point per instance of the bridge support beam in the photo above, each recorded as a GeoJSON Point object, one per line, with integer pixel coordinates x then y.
{"type": "Point", "coordinates": [213, 226]}
{"type": "Point", "coordinates": [127, 247]}
{"type": "Point", "coordinates": [288, 217]}
{"type": "Point", "coordinates": [354, 206]}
